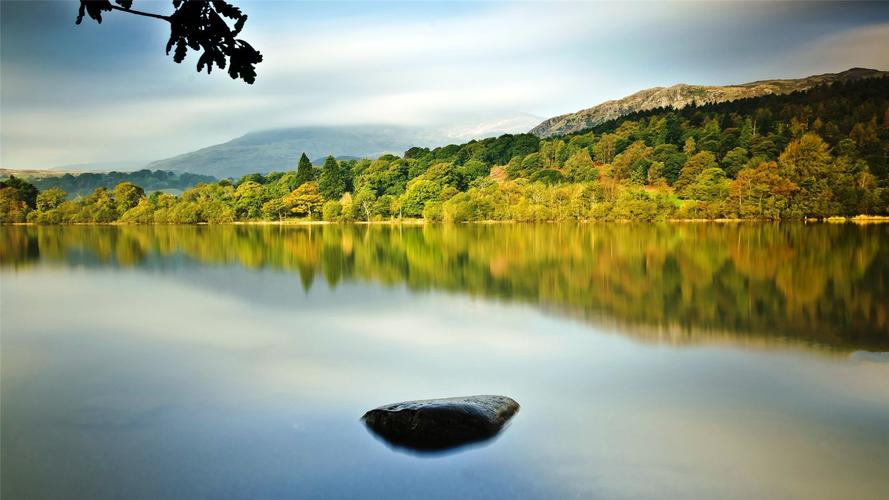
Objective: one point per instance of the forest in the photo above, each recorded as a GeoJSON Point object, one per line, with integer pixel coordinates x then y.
{"type": "Point", "coordinates": [149, 180]}
{"type": "Point", "coordinates": [814, 154]}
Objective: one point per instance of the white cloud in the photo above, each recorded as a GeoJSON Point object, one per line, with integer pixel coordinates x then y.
{"type": "Point", "coordinates": [859, 47]}
{"type": "Point", "coordinates": [466, 70]}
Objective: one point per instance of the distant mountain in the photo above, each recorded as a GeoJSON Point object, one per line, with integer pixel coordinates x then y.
{"type": "Point", "coordinates": [279, 149]}
{"type": "Point", "coordinates": [320, 160]}
{"type": "Point", "coordinates": [100, 166]}
{"type": "Point", "coordinates": [681, 95]}
{"type": "Point", "coordinates": [515, 124]}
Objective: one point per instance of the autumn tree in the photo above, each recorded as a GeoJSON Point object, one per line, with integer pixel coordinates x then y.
{"type": "Point", "coordinates": [807, 162]}
{"type": "Point", "coordinates": [761, 192]}
{"type": "Point", "coordinates": [305, 200]}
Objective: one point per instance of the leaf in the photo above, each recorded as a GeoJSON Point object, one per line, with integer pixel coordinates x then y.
{"type": "Point", "coordinates": [201, 26]}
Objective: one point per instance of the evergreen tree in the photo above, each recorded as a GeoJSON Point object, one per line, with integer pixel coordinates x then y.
{"type": "Point", "coordinates": [331, 182]}
{"type": "Point", "coordinates": [305, 172]}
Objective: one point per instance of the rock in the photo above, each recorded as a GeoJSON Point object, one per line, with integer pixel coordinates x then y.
{"type": "Point", "coordinates": [440, 424]}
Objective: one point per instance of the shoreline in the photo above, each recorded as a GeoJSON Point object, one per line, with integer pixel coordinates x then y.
{"type": "Point", "coordinates": [858, 220]}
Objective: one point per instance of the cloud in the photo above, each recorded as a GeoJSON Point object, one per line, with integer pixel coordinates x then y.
{"type": "Point", "coordinates": [457, 66]}
{"type": "Point", "coordinates": [858, 47]}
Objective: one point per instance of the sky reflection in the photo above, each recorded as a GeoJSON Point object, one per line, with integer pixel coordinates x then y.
{"type": "Point", "coordinates": [185, 378]}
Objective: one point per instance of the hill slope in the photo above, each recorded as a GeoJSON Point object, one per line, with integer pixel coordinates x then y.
{"type": "Point", "coordinates": [279, 149]}
{"type": "Point", "coordinates": [681, 95]}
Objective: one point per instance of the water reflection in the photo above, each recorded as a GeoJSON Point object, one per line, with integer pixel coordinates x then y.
{"type": "Point", "coordinates": [757, 284]}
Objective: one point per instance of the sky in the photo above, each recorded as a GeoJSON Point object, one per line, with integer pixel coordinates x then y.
{"type": "Point", "coordinates": [105, 93]}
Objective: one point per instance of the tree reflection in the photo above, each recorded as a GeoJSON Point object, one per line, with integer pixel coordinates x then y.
{"type": "Point", "coordinates": [820, 284]}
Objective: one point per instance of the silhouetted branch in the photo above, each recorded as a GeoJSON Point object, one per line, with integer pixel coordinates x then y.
{"type": "Point", "coordinates": [141, 13]}
{"type": "Point", "coordinates": [198, 25]}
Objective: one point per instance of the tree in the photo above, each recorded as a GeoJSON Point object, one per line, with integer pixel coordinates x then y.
{"type": "Point", "coordinates": [127, 195]}
{"type": "Point", "coordinates": [709, 185]}
{"type": "Point", "coordinates": [672, 158]}
{"type": "Point", "coordinates": [26, 191]}
{"type": "Point", "coordinates": [474, 169]}
{"type": "Point", "coordinates": [806, 157]}
{"type": "Point", "coordinates": [761, 192]}
{"type": "Point", "coordinates": [692, 168]}
{"type": "Point", "coordinates": [656, 174]}
{"type": "Point", "coordinates": [305, 172]}
{"type": "Point", "coordinates": [50, 199]}
{"type": "Point", "coordinates": [305, 200]}
{"type": "Point", "coordinates": [13, 207]}
{"type": "Point", "coordinates": [690, 147]}
{"type": "Point", "coordinates": [332, 210]}
{"type": "Point", "coordinates": [580, 167]}
{"type": "Point", "coordinates": [807, 162]}
{"type": "Point", "coordinates": [419, 192]}
{"type": "Point", "coordinates": [198, 25]}
{"type": "Point", "coordinates": [532, 163]}
{"type": "Point", "coordinates": [275, 209]}
{"type": "Point", "coordinates": [249, 200]}
{"type": "Point", "coordinates": [364, 201]}
{"type": "Point", "coordinates": [606, 148]}
{"type": "Point", "coordinates": [734, 161]}
{"type": "Point", "coordinates": [331, 182]}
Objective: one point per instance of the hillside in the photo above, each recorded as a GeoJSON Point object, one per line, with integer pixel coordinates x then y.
{"type": "Point", "coordinates": [817, 153]}
{"type": "Point", "coordinates": [82, 184]}
{"type": "Point", "coordinates": [276, 150]}
{"type": "Point", "coordinates": [682, 95]}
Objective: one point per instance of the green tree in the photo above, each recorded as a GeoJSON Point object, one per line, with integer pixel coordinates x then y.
{"type": "Point", "coordinates": [709, 185]}
{"type": "Point", "coordinates": [332, 210]}
{"type": "Point", "coordinates": [331, 182]}
{"type": "Point", "coordinates": [127, 195]}
{"type": "Point", "coordinates": [692, 168]}
{"type": "Point", "coordinates": [249, 198]}
{"type": "Point", "coordinates": [419, 192]}
{"type": "Point", "coordinates": [305, 172]}
{"type": "Point", "coordinates": [734, 161]}
{"type": "Point", "coordinates": [580, 167]}
{"type": "Point", "coordinates": [50, 199]}
{"type": "Point", "coordinates": [364, 202]}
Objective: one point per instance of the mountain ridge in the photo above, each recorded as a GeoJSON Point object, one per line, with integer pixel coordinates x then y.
{"type": "Point", "coordinates": [682, 94]}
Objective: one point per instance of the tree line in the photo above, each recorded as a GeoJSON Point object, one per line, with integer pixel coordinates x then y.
{"type": "Point", "coordinates": [150, 180]}
{"type": "Point", "coordinates": [812, 154]}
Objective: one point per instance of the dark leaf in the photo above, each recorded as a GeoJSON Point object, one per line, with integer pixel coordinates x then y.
{"type": "Point", "coordinates": [201, 26]}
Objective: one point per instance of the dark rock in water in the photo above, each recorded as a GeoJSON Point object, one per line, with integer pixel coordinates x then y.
{"type": "Point", "coordinates": [440, 424]}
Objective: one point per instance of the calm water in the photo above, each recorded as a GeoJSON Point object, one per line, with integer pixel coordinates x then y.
{"type": "Point", "coordinates": [692, 361]}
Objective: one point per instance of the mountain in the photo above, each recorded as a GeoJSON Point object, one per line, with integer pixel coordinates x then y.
{"type": "Point", "coordinates": [681, 95]}
{"type": "Point", "coordinates": [279, 149]}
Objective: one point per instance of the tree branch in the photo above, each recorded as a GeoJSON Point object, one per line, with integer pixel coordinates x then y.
{"type": "Point", "coordinates": [140, 13]}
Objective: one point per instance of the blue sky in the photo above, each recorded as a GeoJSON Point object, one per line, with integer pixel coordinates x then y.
{"type": "Point", "coordinates": [98, 93]}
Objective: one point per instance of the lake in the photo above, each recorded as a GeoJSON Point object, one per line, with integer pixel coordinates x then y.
{"type": "Point", "coordinates": [677, 360]}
